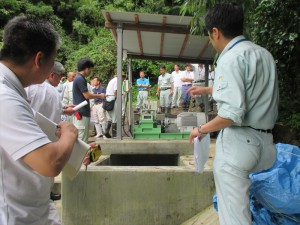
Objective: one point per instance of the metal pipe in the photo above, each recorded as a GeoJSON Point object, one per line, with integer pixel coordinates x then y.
{"type": "Point", "coordinates": [206, 96]}
{"type": "Point", "coordinates": [119, 85]}
{"type": "Point", "coordinates": [129, 65]}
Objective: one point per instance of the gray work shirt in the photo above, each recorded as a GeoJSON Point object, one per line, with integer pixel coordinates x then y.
{"type": "Point", "coordinates": [246, 86]}
{"type": "Point", "coordinates": [165, 81]}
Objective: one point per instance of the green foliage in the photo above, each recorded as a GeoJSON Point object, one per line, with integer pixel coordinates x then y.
{"type": "Point", "coordinates": [40, 10]}
{"type": "Point", "coordinates": [8, 9]}
{"type": "Point", "coordinates": [280, 35]}
{"type": "Point", "coordinates": [101, 50]}
{"type": "Point", "coordinates": [198, 8]}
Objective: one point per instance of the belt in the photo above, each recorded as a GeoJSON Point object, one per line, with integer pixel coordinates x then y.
{"type": "Point", "coordinates": [97, 103]}
{"type": "Point", "coordinates": [186, 84]}
{"type": "Point", "coordinates": [269, 131]}
{"type": "Point", "coordinates": [163, 89]}
{"type": "Point", "coordinates": [143, 90]}
{"type": "Point", "coordinates": [199, 81]}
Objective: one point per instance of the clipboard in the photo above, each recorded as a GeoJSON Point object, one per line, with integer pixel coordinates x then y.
{"type": "Point", "coordinates": [79, 151]}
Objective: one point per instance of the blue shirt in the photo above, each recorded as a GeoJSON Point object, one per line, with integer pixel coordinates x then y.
{"type": "Point", "coordinates": [99, 90]}
{"type": "Point", "coordinates": [246, 87]}
{"type": "Point", "coordinates": [143, 81]}
{"type": "Point", "coordinates": [79, 87]}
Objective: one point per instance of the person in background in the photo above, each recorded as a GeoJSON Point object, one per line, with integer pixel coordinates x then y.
{"type": "Point", "coordinates": [187, 77]}
{"type": "Point", "coordinates": [211, 78]}
{"type": "Point", "coordinates": [164, 90]}
{"type": "Point", "coordinates": [61, 87]}
{"type": "Point", "coordinates": [111, 95]}
{"type": "Point", "coordinates": [143, 86]}
{"type": "Point", "coordinates": [29, 160]}
{"type": "Point", "coordinates": [70, 77]}
{"type": "Point", "coordinates": [199, 80]}
{"type": "Point", "coordinates": [98, 111]}
{"type": "Point", "coordinates": [68, 95]}
{"type": "Point", "coordinates": [246, 92]}
{"type": "Point", "coordinates": [177, 87]}
{"type": "Point", "coordinates": [81, 93]}
{"type": "Point", "coordinates": [45, 99]}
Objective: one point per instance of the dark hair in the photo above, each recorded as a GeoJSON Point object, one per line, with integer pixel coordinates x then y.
{"type": "Point", "coordinates": [227, 17]}
{"type": "Point", "coordinates": [98, 79]}
{"type": "Point", "coordinates": [186, 65]}
{"type": "Point", "coordinates": [24, 36]}
{"type": "Point", "coordinates": [162, 67]}
{"type": "Point", "coordinates": [84, 63]}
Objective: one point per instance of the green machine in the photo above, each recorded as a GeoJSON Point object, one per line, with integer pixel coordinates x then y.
{"type": "Point", "coordinates": [153, 126]}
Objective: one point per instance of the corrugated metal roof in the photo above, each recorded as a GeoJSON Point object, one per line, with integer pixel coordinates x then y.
{"type": "Point", "coordinates": [159, 37]}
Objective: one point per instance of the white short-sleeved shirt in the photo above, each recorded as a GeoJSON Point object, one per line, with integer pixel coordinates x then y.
{"type": "Point", "coordinates": [199, 72]}
{"type": "Point", "coordinates": [186, 74]}
{"type": "Point", "coordinates": [45, 99]}
{"type": "Point", "coordinates": [24, 197]}
{"type": "Point", "coordinates": [176, 78]}
{"type": "Point", "coordinates": [68, 94]}
{"type": "Point", "coordinates": [112, 86]}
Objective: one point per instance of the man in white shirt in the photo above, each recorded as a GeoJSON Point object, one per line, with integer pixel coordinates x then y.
{"type": "Point", "coordinates": [111, 95]}
{"type": "Point", "coordinates": [29, 160]}
{"type": "Point", "coordinates": [68, 94]}
{"type": "Point", "coordinates": [45, 99]}
{"type": "Point", "coordinates": [177, 86]}
{"type": "Point", "coordinates": [187, 77]}
{"type": "Point", "coordinates": [199, 75]}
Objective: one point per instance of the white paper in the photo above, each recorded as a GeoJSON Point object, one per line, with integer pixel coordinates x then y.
{"type": "Point", "coordinates": [201, 150]}
{"type": "Point", "coordinates": [79, 106]}
{"type": "Point", "coordinates": [79, 151]}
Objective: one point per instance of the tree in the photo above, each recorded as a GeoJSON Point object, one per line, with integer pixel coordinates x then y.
{"type": "Point", "coordinates": [280, 35]}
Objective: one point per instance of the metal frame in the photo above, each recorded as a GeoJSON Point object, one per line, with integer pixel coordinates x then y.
{"type": "Point", "coordinates": [117, 29]}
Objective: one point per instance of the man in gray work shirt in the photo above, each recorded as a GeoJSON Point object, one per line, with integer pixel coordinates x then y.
{"type": "Point", "coordinates": [246, 92]}
{"type": "Point", "coordinates": [164, 90]}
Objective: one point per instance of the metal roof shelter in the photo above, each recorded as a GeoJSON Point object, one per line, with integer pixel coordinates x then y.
{"type": "Point", "coordinates": [154, 37]}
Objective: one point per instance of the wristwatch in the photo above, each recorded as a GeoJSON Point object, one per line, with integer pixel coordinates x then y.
{"type": "Point", "coordinates": [201, 134]}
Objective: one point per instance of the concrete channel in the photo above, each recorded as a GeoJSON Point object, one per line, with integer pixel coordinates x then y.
{"type": "Point", "coordinates": [138, 183]}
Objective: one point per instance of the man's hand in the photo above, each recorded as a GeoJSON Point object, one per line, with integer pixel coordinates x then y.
{"type": "Point", "coordinates": [196, 90]}
{"type": "Point", "coordinates": [195, 133]}
{"type": "Point", "coordinates": [69, 111]}
{"type": "Point", "coordinates": [66, 128]}
{"type": "Point", "coordinates": [157, 94]}
{"type": "Point", "coordinates": [102, 95]}
{"type": "Point", "coordinates": [49, 160]}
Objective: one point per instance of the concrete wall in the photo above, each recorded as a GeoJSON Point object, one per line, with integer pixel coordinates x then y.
{"type": "Point", "coordinates": [106, 195]}
{"type": "Point", "coordinates": [128, 146]}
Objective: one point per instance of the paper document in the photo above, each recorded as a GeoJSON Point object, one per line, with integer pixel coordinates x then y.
{"type": "Point", "coordinates": [79, 106]}
{"type": "Point", "coordinates": [201, 150]}
{"type": "Point", "coordinates": [79, 150]}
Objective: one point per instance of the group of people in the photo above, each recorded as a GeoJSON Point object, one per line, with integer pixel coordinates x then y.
{"type": "Point", "coordinates": [245, 88]}
{"type": "Point", "coordinates": [172, 88]}
{"type": "Point", "coordinates": [54, 98]}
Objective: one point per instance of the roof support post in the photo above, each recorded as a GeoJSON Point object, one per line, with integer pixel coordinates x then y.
{"type": "Point", "coordinates": [206, 96]}
{"type": "Point", "coordinates": [129, 68]}
{"type": "Point", "coordinates": [119, 85]}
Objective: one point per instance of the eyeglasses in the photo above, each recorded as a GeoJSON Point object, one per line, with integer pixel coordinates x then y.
{"type": "Point", "coordinates": [58, 75]}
